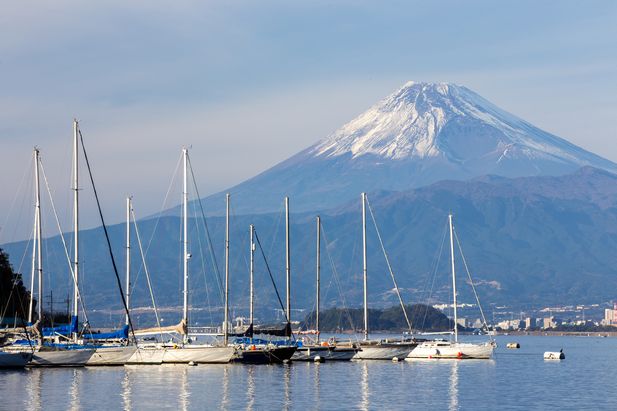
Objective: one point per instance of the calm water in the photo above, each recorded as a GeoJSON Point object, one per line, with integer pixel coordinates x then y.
{"type": "Point", "coordinates": [515, 379]}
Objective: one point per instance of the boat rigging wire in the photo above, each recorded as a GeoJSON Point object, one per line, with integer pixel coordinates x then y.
{"type": "Point", "coordinates": [27, 172]}
{"type": "Point", "coordinates": [147, 272]}
{"type": "Point", "coordinates": [383, 249]}
{"type": "Point", "coordinates": [335, 276]}
{"type": "Point", "coordinates": [209, 238]}
{"type": "Point", "coordinates": [66, 252]}
{"type": "Point", "coordinates": [433, 276]}
{"type": "Point", "coordinates": [111, 254]}
{"type": "Point", "coordinates": [278, 296]}
{"type": "Point", "coordinates": [470, 280]}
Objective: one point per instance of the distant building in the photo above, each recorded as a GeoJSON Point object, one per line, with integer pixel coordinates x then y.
{"type": "Point", "coordinates": [462, 322]}
{"type": "Point", "coordinates": [610, 316]}
{"type": "Point", "coordinates": [548, 322]}
{"type": "Point", "coordinates": [530, 323]}
{"type": "Point", "coordinates": [477, 324]}
{"type": "Point", "coordinates": [509, 324]}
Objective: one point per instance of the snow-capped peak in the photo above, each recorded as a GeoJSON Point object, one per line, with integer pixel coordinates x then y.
{"type": "Point", "coordinates": [410, 123]}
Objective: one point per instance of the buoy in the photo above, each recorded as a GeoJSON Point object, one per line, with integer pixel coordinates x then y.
{"type": "Point", "coordinates": [394, 359]}
{"type": "Point", "coordinates": [513, 345]}
{"type": "Point", "coordinates": [192, 363]}
{"type": "Point", "coordinates": [317, 358]}
{"type": "Point", "coordinates": [554, 355]}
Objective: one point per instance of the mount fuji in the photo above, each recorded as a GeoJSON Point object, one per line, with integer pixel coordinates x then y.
{"type": "Point", "coordinates": [420, 134]}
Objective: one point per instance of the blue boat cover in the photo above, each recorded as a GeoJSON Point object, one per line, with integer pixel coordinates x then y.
{"type": "Point", "coordinates": [65, 329]}
{"type": "Point", "coordinates": [121, 334]}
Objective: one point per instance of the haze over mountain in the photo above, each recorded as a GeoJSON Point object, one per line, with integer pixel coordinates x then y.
{"type": "Point", "coordinates": [420, 134]}
{"type": "Point", "coordinates": [528, 241]}
{"type": "Point", "coordinates": [538, 215]}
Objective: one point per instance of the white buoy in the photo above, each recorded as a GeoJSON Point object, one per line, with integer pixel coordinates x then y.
{"type": "Point", "coordinates": [554, 355]}
{"type": "Point", "coordinates": [317, 358]}
{"type": "Point", "coordinates": [395, 359]}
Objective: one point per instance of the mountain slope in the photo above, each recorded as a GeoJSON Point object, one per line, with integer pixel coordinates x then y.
{"type": "Point", "coordinates": [529, 240]}
{"type": "Point", "coordinates": [422, 133]}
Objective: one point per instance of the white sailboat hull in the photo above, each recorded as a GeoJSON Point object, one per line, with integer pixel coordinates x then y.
{"type": "Point", "coordinates": [384, 351]}
{"type": "Point", "coordinates": [147, 355]}
{"type": "Point", "coordinates": [14, 359]}
{"type": "Point", "coordinates": [61, 357]}
{"type": "Point", "coordinates": [200, 354]}
{"type": "Point", "coordinates": [445, 350]}
{"type": "Point", "coordinates": [112, 355]}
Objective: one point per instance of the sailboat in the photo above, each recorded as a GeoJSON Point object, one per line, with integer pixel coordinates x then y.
{"type": "Point", "coordinates": [186, 351]}
{"type": "Point", "coordinates": [112, 349]}
{"type": "Point", "coordinates": [453, 349]}
{"type": "Point", "coordinates": [386, 349]}
{"type": "Point", "coordinates": [53, 345]}
{"type": "Point", "coordinates": [326, 350]}
{"type": "Point", "coordinates": [259, 351]}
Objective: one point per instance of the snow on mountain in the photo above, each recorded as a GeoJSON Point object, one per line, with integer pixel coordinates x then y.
{"type": "Point", "coordinates": [412, 123]}
{"type": "Point", "coordinates": [420, 134]}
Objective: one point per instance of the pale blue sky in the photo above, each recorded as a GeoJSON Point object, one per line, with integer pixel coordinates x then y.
{"type": "Point", "coordinates": [249, 83]}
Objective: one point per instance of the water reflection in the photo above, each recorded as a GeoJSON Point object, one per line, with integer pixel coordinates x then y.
{"type": "Point", "coordinates": [454, 386]}
{"type": "Point", "coordinates": [364, 404]}
{"type": "Point", "coordinates": [34, 389]}
{"type": "Point", "coordinates": [316, 395]}
{"type": "Point", "coordinates": [225, 397]}
{"type": "Point", "coordinates": [287, 385]}
{"type": "Point", "coordinates": [126, 390]}
{"type": "Point", "coordinates": [250, 388]}
{"type": "Point", "coordinates": [184, 392]}
{"type": "Point", "coordinates": [74, 391]}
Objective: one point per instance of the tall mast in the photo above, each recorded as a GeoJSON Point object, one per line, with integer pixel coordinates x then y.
{"type": "Point", "coordinates": [36, 244]}
{"type": "Point", "coordinates": [453, 277]}
{"type": "Point", "coordinates": [75, 220]}
{"type": "Point", "coordinates": [185, 241]}
{"type": "Point", "coordinates": [252, 245]}
{"type": "Point", "coordinates": [34, 231]}
{"type": "Point", "coordinates": [39, 236]}
{"type": "Point", "coordinates": [225, 331]}
{"type": "Point", "coordinates": [364, 268]}
{"type": "Point", "coordinates": [287, 259]}
{"type": "Point", "coordinates": [318, 275]}
{"type": "Point", "coordinates": [128, 257]}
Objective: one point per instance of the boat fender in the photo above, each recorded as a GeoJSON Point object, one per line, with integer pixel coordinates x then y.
{"type": "Point", "coordinates": [317, 359]}
{"type": "Point", "coordinates": [394, 359]}
{"type": "Point", "coordinates": [459, 355]}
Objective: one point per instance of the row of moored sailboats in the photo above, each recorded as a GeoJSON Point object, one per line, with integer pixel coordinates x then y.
{"type": "Point", "coordinates": [65, 345]}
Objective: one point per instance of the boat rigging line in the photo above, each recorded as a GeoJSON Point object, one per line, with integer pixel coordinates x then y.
{"type": "Point", "coordinates": [470, 280]}
{"type": "Point", "coordinates": [146, 271]}
{"type": "Point", "coordinates": [111, 254]}
{"type": "Point", "coordinates": [383, 249]}
{"type": "Point", "coordinates": [64, 246]}
{"type": "Point", "coordinates": [335, 276]}
{"type": "Point", "coordinates": [433, 276]}
{"type": "Point", "coordinates": [208, 237]}
{"type": "Point", "coordinates": [278, 296]}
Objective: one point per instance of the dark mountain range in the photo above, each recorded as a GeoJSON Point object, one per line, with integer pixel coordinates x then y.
{"type": "Point", "coordinates": [529, 240]}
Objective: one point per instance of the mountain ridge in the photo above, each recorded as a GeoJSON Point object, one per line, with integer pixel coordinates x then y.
{"type": "Point", "coordinates": [420, 134]}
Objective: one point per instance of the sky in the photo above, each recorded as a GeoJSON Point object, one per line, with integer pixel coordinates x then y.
{"type": "Point", "coordinates": [246, 84]}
